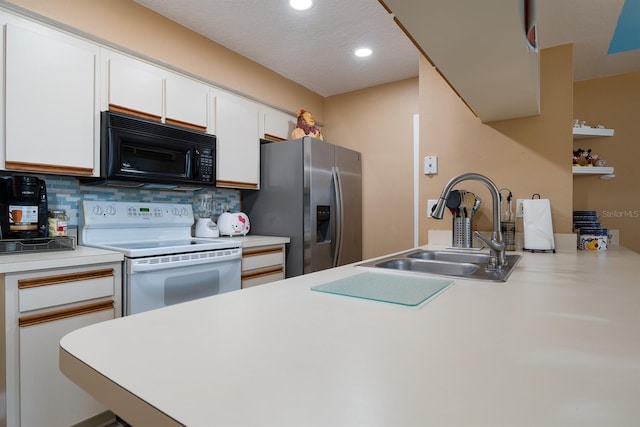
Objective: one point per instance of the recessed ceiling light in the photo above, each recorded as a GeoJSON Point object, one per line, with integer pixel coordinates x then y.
{"type": "Point", "coordinates": [363, 51]}
{"type": "Point", "coordinates": [301, 4]}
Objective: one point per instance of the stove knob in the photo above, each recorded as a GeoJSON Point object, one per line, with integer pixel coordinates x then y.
{"type": "Point", "coordinates": [184, 212]}
{"type": "Point", "coordinates": [97, 210]}
{"type": "Point", "coordinates": [111, 210]}
{"type": "Point", "coordinates": [175, 211]}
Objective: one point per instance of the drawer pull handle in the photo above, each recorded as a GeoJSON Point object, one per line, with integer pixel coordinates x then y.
{"type": "Point", "coordinates": [51, 316]}
{"type": "Point", "coordinates": [63, 278]}
{"type": "Point", "coordinates": [262, 252]}
{"type": "Point", "coordinates": [262, 273]}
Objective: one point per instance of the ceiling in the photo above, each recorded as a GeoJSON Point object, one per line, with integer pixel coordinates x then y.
{"type": "Point", "coordinates": [315, 48]}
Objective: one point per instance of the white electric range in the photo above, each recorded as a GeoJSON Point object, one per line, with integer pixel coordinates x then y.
{"type": "Point", "coordinates": [163, 264]}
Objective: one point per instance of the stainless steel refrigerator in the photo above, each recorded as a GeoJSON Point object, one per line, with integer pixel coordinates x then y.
{"type": "Point", "coordinates": [310, 191]}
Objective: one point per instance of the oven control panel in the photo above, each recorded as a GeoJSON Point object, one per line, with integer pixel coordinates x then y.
{"type": "Point", "coordinates": [122, 214]}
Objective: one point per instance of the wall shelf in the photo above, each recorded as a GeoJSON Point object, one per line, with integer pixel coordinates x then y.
{"type": "Point", "coordinates": [586, 132]}
{"type": "Point", "coordinates": [606, 172]}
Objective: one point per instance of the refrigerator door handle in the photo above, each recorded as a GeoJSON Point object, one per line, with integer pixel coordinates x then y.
{"type": "Point", "coordinates": [339, 213]}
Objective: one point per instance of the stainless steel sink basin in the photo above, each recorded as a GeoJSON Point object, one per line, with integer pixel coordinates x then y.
{"type": "Point", "coordinates": [446, 263]}
{"type": "Point", "coordinates": [433, 267]}
{"type": "Point", "coordinates": [450, 256]}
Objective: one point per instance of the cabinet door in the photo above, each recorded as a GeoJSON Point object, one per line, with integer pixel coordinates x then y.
{"type": "Point", "coordinates": [186, 102]}
{"type": "Point", "coordinates": [133, 86]}
{"type": "Point", "coordinates": [238, 150]}
{"type": "Point", "coordinates": [47, 397]}
{"type": "Point", "coordinates": [278, 125]}
{"type": "Point", "coordinates": [50, 101]}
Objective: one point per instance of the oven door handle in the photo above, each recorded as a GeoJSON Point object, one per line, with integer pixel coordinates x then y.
{"type": "Point", "coordinates": [139, 265]}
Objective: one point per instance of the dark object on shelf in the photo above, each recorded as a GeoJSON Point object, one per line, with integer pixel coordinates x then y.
{"type": "Point", "coordinates": [23, 207]}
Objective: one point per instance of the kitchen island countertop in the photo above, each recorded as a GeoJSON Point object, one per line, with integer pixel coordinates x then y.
{"type": "Point", "coordinates": [555, 345]}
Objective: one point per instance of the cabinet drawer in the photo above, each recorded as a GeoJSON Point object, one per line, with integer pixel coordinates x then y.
{"type": "Point", "coordinates": [48, 291]}
{"type": "Point", "coordinates": [262, 258]}
{"type": "Point", "coordinates": [260, 278]}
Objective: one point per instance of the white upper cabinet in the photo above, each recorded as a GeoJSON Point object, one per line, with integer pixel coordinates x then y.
{"type": "Point", "coordinates": [50, 108]}
{"type": "Point", "coordinates": [136, 87]}
{"type": "Point", "coordinates": [238, 142]}
{"type": "Point", "coordinates": [54, 86]}
{"type": "Point", "coordinates": [186, 102]}
{"type": "Point", "coordinates": [132, 86]}
{"type": "Point", "coordinates": [277, 125]}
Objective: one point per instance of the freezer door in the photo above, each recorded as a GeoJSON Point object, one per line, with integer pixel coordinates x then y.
{"type": "Point", "coordinates": [349, 167]}
{"type": "Point", "coordinates": [318, 215]}
{"type": "Point", "coordinates": [277, 208]}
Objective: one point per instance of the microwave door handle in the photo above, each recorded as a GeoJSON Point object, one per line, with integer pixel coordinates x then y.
{"type": "Point", "coordinates": [196, 165]}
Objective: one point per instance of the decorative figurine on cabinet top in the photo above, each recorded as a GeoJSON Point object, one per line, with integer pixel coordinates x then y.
{"type": "Point", "coordinates": [306, 126]}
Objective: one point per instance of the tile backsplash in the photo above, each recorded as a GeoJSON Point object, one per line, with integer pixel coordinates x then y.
{"type": "Point", "coordinates": [66, 192]}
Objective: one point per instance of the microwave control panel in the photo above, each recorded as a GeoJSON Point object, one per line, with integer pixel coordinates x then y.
{"type": "Point", "coordinates": [205, 162]}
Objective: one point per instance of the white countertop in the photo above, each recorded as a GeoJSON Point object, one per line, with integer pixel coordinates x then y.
{"type": "Point", "coordinates": [82, 255]}
{"type": "Point", "coordinates": [555, 345]}
{"type": "Point", "coordinates": [251, 241]}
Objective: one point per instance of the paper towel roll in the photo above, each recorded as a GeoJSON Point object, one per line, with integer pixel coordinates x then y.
{"type": "Point", "coordinates": [538, 229]}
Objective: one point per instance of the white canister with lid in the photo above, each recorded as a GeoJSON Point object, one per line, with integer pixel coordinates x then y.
{"type": "Point", "coordinates": [57, 223]}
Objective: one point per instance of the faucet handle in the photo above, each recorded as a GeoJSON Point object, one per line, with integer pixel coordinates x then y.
{"type": "Point", "coordinates": [497, 260]}
{"type": "Point", "coordinates": [493, 244]}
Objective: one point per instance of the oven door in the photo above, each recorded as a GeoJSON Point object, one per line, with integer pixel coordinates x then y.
{"type": "Point", "coordinates": [148, 286]}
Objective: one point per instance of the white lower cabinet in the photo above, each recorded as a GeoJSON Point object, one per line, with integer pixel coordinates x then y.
{"type": "Point", "coordinates": [39, 309]}
{"type": "Point", "coordinates": [262, 264]}
{"type": "Point", "coordinates": [46, 396]}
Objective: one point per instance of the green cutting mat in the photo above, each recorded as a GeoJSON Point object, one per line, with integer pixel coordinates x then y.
{"type": "Point", "coordinates": [405, 290]}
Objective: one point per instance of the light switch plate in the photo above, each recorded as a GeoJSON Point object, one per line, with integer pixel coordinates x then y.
{"type": "Point", "coordinates": [430, 165]}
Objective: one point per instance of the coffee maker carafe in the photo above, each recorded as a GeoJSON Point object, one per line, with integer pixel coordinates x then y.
{"type": "Point", "coordinates": [23, 207]}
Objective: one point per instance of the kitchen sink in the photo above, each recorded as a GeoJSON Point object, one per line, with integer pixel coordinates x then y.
{"type": "Point", "coordinates": [448, 256]}
{"type": "Point", "coordinates": [434, 267]}
{"type": "Point", "coordinates": [446, 263]}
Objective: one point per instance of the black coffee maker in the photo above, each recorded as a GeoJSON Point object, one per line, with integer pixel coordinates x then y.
{"type": "Point", "coordinates": [23, 207]}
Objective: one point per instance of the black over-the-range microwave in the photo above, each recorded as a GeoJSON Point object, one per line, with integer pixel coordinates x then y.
{"type": "Point", "coordinates": [136, 152]}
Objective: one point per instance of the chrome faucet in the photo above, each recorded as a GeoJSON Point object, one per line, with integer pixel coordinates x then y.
{"type": "Point", "coordinates": [497, 259]}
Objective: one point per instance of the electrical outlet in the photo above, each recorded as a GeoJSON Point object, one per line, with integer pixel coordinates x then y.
{"type": "Point", "coordinates": [519, 208]}
{"type": "Point", "coordinates": [430, 204]}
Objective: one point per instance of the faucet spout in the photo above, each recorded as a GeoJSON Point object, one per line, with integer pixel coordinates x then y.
{"type": "Point", "coordinates": [497, 258]}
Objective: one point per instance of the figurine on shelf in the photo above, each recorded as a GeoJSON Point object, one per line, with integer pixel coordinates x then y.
{"type": "Point", "coordinates": [584, 158]}
{"type": "Point", "coordinates": [588, 157]}
{"type": "Point", "coordinates": [576, 155]}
